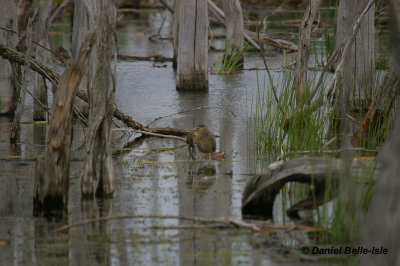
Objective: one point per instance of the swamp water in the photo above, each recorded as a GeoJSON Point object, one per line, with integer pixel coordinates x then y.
{"type": "Point", "coordinates": [153, 176]}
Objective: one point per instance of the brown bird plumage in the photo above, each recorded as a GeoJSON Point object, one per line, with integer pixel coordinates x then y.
{"type": "Point", "coordinates": [203, 138]}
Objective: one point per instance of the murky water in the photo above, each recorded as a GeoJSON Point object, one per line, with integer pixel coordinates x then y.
{"type": "Point", "coordinates": [152, 176]}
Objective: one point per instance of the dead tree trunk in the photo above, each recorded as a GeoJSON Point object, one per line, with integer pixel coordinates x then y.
{"type": "Point", "coordinates": [381, 225]}
{"type": "Point", "coordinates": [175, 33]}
{"type": "Point", "coordinates": [358, 71]}
{"type": "Point", "coordinates": [52, 169]}
{"type": "Point", "coordinates": [192, 71]}
{"type": "Point", "coordinates": [101, 99]}
{"type": "Point", "coordinates": [8, 87]}
{"type": "Point", "coordinates": [234, 26]}
{"type": "Point", "coordinates": [41, 29]}
{"type": "Point", "coordinates": [303, 53]}
{"type": "Point", "coordinates": [21, 101]}
{"type": "Point", "coordinates": [82, 23]}
{"type": "Point", "coordinates": [25, 10]}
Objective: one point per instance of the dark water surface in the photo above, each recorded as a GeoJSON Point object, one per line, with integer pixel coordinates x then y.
{"type": "Point", "coordinates": [153, 176]}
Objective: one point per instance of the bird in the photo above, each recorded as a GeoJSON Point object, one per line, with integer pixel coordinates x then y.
{"type": "Point", "coordinates": [203, 139]}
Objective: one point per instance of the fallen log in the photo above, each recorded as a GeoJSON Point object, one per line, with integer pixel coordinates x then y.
{"type": "Point", "coordinates": [260, 192]}
{"type": "Point", "coordinates": [19, 58]}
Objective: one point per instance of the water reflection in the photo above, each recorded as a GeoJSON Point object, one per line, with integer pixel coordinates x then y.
{"type": "Point", "coordinates": [152, 176]}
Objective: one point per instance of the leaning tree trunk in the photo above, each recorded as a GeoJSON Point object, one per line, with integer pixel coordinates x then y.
{"type": "Point", "coordinates": [358, 71]}
{"type": "Point", "coordinates": [234, 27]}
{"type": "Point", "coordinates": [52, 169]}
{"type": "Point", "coordinates": [192, 71]}
{"type": "Point", "coordinates": [175, 32]}
{"type": "Point", "coordinates": [303, 53]}
{"type": "Point", "coordinates": [101, 99]}
{"type": "Point", "coordinates": [41, 28]}
{"type": "Point", "coordinates": [8, 87]}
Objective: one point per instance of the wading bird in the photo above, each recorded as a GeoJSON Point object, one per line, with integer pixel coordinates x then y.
{"type": "Point", "coordinates": [203, 139]}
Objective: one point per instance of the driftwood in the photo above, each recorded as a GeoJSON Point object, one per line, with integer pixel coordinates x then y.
{"type": "Point", "coordinates": [154, 58]}
{"type": "Point", "coordinates": [260, 192]}
{"type": "Point", "coordinates": [265, 227]}
{"type": "Point", "coordinates": [282, 44]}
{"type": "Point", "coordinates": [17, 57]}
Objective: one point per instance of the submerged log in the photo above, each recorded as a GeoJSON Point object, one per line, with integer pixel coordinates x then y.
{"type": "Point", "coordinates": [52, 169]}
{"type": "Point", "coordinates": [260, 192]}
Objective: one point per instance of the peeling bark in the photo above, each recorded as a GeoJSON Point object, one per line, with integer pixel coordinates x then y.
{"type": "Point", "coordinates": [52, 168]}
{"type": "Point", "coordinates": [101, 102]}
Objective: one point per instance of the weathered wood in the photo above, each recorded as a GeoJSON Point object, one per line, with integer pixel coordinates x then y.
{"type": "Point", "coordinates": [192, 71]}
{"type": "Point", "coordinates": [52, 168]}
{"type": "Point", "coordinates": [52, 76]}
{"type": "Point", "coordinates": [21, 101]}
{"type": "Point", "coordinates": [234, 26]}
{"type": "Point", "coordinates": [278, 43]}
{"type": "Point", "coordinates": [41, 28]}
{"type": "Point", "coordinates": [175, 33]}
{"type": "Point", "coordinates": [101, 98]}
{"type": "Point", "coordinates": [260, 192]}
{"type": "Point", "coordinates": [220, 15]}
{"type": "Point", "coordinates": [8, 88]}
{"type": "Point", "coordinates": [358, 71]}
{"type": "Point", "coordinates": [25, 10]}
{"type": "Point", "coordinates": [381, 225]}
{"type": "Point", "coordinates": [58, 10]}
{"type": "Point", "coordinates": [154, 58]}
{"type": "Point", "coordinates": [303, 53]}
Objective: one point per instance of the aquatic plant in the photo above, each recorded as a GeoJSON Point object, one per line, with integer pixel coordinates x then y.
{"type": "Point", "coordinates": [291, 132]}
{"type": "Point", "coordinates": [226, 63]}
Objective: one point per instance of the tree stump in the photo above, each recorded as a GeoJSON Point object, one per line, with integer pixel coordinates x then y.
{"type": "Point", "coordinates": [192, 73]}
{"type": "Point", "coordinates": [52, 169]}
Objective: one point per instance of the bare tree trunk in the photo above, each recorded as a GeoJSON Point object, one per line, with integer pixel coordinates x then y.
{"type": "Point", "coordinates": [41, 28]}
{"type": "Point", "coordinates": [303, 53]}
{"type": "Point", "coordinates": [101, 99]}
{"type": "Point", "coordinates": [21, 101]}
{"type": "Point", "coordinates": [175, 33]}
{"type": "Point", "coordinates": [358, 72]}
{"type": "Point", "coordinates": [381, 225]}
{"type": "Point", "coordinates": [52, 169]}
{"type": "Point", "coordinates": [234, 26]}
{"type": "Point", "coordinates": [192, 73]}
{"type": "Point", "coordinates": [8, 87]}
{"type": "Point", "coordinates": [25, 10]}
{"type": "Point", "coordinates": [82, 23]}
